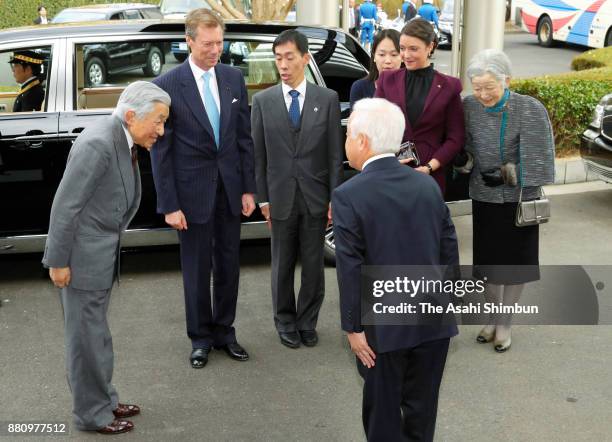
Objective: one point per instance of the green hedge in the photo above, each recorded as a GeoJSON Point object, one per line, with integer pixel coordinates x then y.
{"type": "Point", "coordinates": [571, 97]}
{"type": "Point", "coordinates": [596, 58]}
{"type": "Point", "coordinates": [15, 13]}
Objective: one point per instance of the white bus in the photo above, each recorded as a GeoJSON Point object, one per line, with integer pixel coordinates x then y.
{"type": "Point", "coordinates": [582, 22]}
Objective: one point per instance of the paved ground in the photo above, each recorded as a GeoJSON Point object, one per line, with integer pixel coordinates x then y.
{"type": "Point", "coordinates": [528, 58]}
{"type": "Point", "coordinates": [554, 384]}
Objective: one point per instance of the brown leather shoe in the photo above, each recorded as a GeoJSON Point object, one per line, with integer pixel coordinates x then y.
{"type": "Point", "coordinates": [126, 410]}
{"type": "Point", "coordinates": [117, 427]}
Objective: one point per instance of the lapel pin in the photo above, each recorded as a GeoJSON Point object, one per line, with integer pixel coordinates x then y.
{"type": "Point", "coordinates": [316, 109]}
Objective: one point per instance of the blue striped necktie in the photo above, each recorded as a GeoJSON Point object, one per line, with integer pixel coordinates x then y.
{"type": "Point", "coordinates": [294, 109]}
{"type": "Point", "coordinates": [211, 107]}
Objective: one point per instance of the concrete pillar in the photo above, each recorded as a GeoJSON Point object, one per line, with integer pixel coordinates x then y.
{"type": "Point", "coordinates": [318, 12]}
{"type": "Point", "coordinates": [345, 15]}
{"type": "Point", "coordinates": [483, 28]}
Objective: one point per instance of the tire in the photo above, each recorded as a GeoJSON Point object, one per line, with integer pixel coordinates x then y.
{"type": "Point", "coordinates": [329, 247]}
{"type": "Point", "coordinates": [608, 41]}
{"type": "Point", "coordinates": [545, 32]}
{"type": "Point", "coordinates": [155, 62]}
{"type": "Point", "coordinates": [95, 72]}
{"type": "Point", "coordinates": [180, 57]}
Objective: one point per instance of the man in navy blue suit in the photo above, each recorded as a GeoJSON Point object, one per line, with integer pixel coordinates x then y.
{"type": "Point", "coordinates": [203, 169]}
{"type": "Point", "coordinates": [391, 214]}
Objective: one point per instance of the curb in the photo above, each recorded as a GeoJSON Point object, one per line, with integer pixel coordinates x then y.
{"type": "Point", "coordinates": [572, 170]}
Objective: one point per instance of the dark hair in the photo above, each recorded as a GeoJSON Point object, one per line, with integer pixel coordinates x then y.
{"type": "Point", "coordinates": [291, 36]}
{"type": "Point", "coordinates": [41, 7]}
{"type": "Point", "coordinates": [423, 30]}
{"type": "Point", "coordinates": [392, 35]}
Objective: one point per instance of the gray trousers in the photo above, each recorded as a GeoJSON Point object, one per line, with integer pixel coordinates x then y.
{"type": "Point", "coordinates": [301, 233]}
{"type": "Point", "coordinates": [89, 357]}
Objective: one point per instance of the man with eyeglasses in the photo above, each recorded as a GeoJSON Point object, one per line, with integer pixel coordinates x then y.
{"type": "Point", "coordinates": [203, 169]}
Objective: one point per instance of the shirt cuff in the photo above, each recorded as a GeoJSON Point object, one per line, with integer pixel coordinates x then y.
{"type": "Point", "coordinates": [263, 204]}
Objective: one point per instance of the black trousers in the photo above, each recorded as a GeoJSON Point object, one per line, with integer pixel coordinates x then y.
{"type": "Point", "coordinates": [400, 394]}
{"type": "Point", "coordinates": [304, 234]}
{"type": "Point", "coordinates": [204, 247]}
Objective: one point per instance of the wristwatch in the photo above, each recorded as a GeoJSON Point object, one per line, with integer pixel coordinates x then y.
{"type": "Point", "coordinates": [429, 167]}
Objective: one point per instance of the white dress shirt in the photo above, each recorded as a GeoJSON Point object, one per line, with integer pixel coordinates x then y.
{"type": "Point", "coordinates": [376, 157]}
{"type": "Point", "coordinates": [301, 89]}
{"type": "Point", "coordinates": [212, 83]}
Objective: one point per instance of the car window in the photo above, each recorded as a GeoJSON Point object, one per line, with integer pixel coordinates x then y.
{"type": "Point", "coordinates": [117, 16]}
{"type": "Point", "coordinates": [151, 13]}
{"type": "Point", "coordinates": [23, 87]}
{"type": "Point", "coordinates": [132, 15]}
{"type": "Point", "coordinates": [104, 69]}
{"type": "Point", "coordinates": [68, 15]}
{"type": "Point", "coordinates": [338, 67]}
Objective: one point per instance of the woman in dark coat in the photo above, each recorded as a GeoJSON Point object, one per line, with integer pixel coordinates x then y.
{"type": "Point", "coordinates": [430, 101]}
{"type": "Point", "coordinates": [510, 138]}
{"type": "Point", "coordinates": [386, 56]}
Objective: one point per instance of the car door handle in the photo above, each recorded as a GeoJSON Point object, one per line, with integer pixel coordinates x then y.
{"type": "Point", "coordinates": [34, 141]}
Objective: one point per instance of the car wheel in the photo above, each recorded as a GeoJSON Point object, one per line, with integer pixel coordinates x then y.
{"type": "Point", "coordinates": [545, 32]}
{"type": "Point", "coordinates": [180, 57]}
{"type": "Point", "coordinates": [154, 62]}
{"type": "Point", "coordinates": [329, 247]}
{"type": "Point", "coordinates": [608, 41]}
{"type": "Point", "coordinates": [95, 72]}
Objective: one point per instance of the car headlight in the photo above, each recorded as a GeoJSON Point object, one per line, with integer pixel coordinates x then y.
{"type": "Point", "coordinates": [598, 113]}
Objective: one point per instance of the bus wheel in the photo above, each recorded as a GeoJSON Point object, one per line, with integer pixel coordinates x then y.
{"type": "Point", "coordinates": [545, 32]}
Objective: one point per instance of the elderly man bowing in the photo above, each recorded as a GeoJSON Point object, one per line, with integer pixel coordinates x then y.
{"type": "Point", "coordinates": [96, 199]}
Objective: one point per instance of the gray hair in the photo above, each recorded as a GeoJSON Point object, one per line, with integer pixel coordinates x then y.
{"type": "Point", "coordinates": [490, 61]}
{"type": "Point", "coordinates": [381, 121]}
{"type": "Point", "coordinates": [141, 97]}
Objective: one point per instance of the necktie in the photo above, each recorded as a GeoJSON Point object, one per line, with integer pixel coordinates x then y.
{"type": "Point", "coordinates": [134, 152]}
{"type": "Point", "coordinates": [294, 109]}
{"type": "Point", "coordinates": [211, 107]}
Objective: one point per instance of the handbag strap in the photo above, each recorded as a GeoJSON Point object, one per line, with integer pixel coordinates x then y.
{"type": "Point", "coordinates": [541, 195]}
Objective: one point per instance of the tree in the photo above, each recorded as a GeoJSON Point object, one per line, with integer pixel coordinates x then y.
{"type": "Point", "coordinates": [262, 10]}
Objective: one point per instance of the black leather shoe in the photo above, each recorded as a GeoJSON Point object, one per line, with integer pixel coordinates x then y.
{"type": "Point", "coordinates": [309, 337]}
{"type": "Point", "coordinates": [235, 351]}
{"type": "Point", "coordinates": [289, 339]}
{"type": "Point", "coordinates": [199, 357]}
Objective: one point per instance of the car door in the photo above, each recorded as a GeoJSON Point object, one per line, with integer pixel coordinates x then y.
{"type": "Point", "coordinates": [31, 153]}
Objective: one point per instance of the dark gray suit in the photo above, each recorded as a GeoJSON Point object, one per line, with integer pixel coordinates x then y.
{"type": "Point", "coordinates": [296, 171]}
{"type": "Point", "coordinates": [96, 199]}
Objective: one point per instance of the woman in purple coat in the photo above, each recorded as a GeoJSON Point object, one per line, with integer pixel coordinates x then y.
{"type": "Point", "coordinates": [431, 101]}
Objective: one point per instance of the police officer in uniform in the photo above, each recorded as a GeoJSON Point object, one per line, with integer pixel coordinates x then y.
{"type": "Point", "coordinates": [369, 16]}
{"type": "Point", "coordinates": [27, 66]}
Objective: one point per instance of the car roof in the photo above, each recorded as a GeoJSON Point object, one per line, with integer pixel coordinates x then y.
{"type": "Point", "coordinates": [114, 7]}
{"type": "Point", "coordinates": [30, 34]}
{"type": "Point", "coordinates": [117, 27]}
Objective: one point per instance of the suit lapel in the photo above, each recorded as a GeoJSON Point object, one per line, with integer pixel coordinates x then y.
{"type": "Point", "coordinates": [435, 89]}
{"type": "Point", "coordinates": [191, 96]}
{"type": "Point", "coordinates": [124, 160]}
{"type": "Point", "coordinates": [400, 87]}
{"type": "Point", "coordinates": [278, 102]}
{"type": "Point", "coordinates": [225, 98]}
{"type": "Point", "coordinates": [311, 107]}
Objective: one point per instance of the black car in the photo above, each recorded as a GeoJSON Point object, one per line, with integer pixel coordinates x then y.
{"type": "Point", "coordinates": [34, 146]}
{"type": "Point", "coordinates": [107, 59]}
{"type": "Point", "coordinates": [596, 141]}
{"type": "Point", "coordinates": [116, 11]}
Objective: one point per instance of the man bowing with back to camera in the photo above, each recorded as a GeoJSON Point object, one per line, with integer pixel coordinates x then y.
{"type": "Point", "coordinates": [298, 158]}
{"type": "Point", "coordinates": [204, 177]}
{"type": "Point", "coordinates": [391, 215]}
{"type": "Point", "coordinates": [95, 201]}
